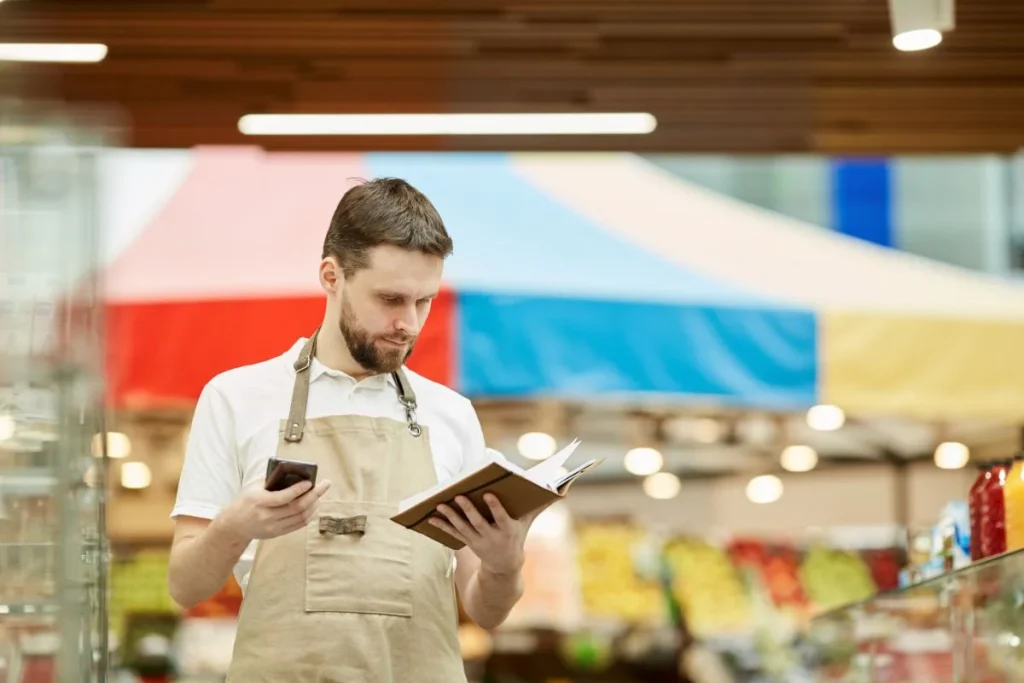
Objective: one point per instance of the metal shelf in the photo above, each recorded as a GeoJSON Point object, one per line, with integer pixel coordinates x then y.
{"type": "Point", "coordinates": [29, 608]}
{"type": "Point", "coordinates": [29, 481]}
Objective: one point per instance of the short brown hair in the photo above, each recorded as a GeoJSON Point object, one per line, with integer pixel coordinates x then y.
{"type": "Point", "coordinates": [384, 211]}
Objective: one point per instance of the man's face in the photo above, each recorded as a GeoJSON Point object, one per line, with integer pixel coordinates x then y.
{"type": "Point", "coordinates": [384, 306]}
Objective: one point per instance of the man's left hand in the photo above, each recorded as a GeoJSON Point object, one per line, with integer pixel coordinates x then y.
{"type": "Point", "coordinates": [499, 545]}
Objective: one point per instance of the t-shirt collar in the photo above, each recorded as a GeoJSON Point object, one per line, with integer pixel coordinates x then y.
{"type": "Point", "coordinates": [318, 370]}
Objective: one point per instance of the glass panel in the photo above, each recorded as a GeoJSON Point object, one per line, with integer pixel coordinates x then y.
{"type": "Point", "coordinates": [962, 627]}
{"type": "Point", "coordinates": [52, 549]}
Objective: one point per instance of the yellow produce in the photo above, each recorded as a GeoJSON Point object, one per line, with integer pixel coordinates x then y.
{"type": "Point", "coordinates": [610, 586]}
{"type": "Point", "coordinates": [708, 587]}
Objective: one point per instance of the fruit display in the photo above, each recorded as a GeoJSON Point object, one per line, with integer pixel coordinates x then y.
{"type": "Point", "coordinates": [610, 586]}
{"type": "Point", "coordinates": [885, 567]}
{"type": "Point", "coordinates": [778, 567]}
{"type": "Point", "coordinates": [551, 596]}
{"type": "Point", "coordinates": [709, 588]}
{"type": "Point", "coordinates": [833, 578]}
{"type": "Point", "coordinates": [138, 584]}
{"type": "Point", "coordinates": [226, 603]}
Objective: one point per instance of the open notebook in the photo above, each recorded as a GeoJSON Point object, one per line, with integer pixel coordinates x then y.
{"type": "Point", "coordinates": [521, 491]}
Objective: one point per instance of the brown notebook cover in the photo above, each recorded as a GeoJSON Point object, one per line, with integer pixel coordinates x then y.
{"type": "Point", "coordinates": [518, 495]}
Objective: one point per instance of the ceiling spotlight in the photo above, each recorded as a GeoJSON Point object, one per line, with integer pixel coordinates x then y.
{"type": "Point", "coordinates": [951, 455]}
{"type": "Point", "coordinates": [536, 445]}
{"type": "Point", "coordinates": [799, 458]}
{"type": "Point", "coordinates": [643, 461]}
{"type": "Point", "coordinates": [915, 41]}
{"type": "Point", "coordinates": [119, 446]}
{"type": "Point", "coordinates": [708, 430]}
{"type": "Point", "coordinates": [662, 486]}
{"type": "Point", "coordinates": [136, 475]}
{"type": "Point", "coordinates": [7, 427]}
{"type": "Point", "coordinates": [764, 489]}
{"type": "Point", "coordinates": [825, 418]}
{"type": "Point", "coordinates": [919, 24]}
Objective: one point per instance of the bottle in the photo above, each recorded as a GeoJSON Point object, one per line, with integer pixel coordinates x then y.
{"type": "Point", "coordinates": [1013, 500]}
{"type": "Point", "coordinates": [993, 510]}
{"type": "Point", "coordinates": [974, 503]}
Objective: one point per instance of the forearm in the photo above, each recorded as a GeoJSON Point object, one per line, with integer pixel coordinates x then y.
{"type": "Point", "coordinates": [201, 565]}
{"type": "Point", "coordinates": [491, 596]}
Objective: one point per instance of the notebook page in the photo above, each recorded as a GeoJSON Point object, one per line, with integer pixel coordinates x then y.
{"type": "Point", "coordinates": [547, 472]}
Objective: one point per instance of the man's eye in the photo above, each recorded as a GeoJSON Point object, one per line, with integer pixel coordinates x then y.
{"type": "Point", "coordinates": [392, 300]}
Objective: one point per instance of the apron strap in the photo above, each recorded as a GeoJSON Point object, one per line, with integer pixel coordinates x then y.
{"type": "Point", "coordinates": [300, 394]}
{"type": "Point", "coordinates": [407, 397]}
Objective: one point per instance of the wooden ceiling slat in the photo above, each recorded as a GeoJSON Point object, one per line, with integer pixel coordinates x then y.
{"type": "Point", "coordinates": [720, 75]}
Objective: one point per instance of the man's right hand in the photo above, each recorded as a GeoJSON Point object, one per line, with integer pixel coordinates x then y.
{"type": "Point", "coordinates": [259, 514]}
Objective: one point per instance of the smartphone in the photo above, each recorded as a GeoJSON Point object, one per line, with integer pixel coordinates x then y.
{"type": "Point", "coordinates": [282, 473]}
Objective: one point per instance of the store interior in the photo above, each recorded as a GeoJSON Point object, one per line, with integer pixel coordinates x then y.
{"type": "Point", "coordinates": [810, 444]}
{"type": "Point", "coordinates": [755, 480]}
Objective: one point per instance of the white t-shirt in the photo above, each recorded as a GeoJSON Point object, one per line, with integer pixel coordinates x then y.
{"type": "Point", "coordinates": [235, 428]}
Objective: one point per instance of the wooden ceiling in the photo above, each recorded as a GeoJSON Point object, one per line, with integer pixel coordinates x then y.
{"type": "Point", "coordinates": [720, 75]}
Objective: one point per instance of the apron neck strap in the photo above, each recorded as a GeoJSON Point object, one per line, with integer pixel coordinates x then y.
{"type": "Point", "coordinates": [300, 394]}
{"type": "Point", "coordinates": [405, 393]}
{"type": "Point", "coordinates": [407, 397]}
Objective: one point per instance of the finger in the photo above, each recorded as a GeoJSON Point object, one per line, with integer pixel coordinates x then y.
{"type": "Point", "coordinates": [448, 529]}
{"type": "Point", "coordinates": [457, 521]}
{"type": "Point", "coordinates": [285, 496]}
{"type": "Point", "coordinates": [307, 501]}
{"type": "Point", "coordinates": [480, 525]}
{"type": "Point", "coordinates": [501, 517]}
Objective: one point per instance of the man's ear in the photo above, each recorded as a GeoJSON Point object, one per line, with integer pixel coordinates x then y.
{"type": "Point", "coordinates": [332, 277]}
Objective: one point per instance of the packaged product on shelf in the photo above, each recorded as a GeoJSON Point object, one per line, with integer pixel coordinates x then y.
{"type": "Point", "coordinates": [1013, 495]}
{"type": "Point", "coordinates": [952, 535]}
{"type": "Point", "coordinates": [974, 497]}
{"type": "Point", "coordinates": [992, 528]}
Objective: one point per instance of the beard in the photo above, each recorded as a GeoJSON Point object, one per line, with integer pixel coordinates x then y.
{"type": "Point", "coordinates": [368, 350]}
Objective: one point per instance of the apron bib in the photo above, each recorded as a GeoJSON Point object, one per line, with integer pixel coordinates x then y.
{"type": "Point", "coordinates": [353, 597]}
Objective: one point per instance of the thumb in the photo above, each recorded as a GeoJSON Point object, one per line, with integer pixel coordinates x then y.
{"type": "Point", "coordinates": [529, 518]}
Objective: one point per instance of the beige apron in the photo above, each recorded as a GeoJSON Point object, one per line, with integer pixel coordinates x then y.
{"type": "Point", "coordinates": [353, 597]}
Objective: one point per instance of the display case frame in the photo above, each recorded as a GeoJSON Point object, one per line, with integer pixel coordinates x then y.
{"type": "Point", "coordinates": [53, 547]}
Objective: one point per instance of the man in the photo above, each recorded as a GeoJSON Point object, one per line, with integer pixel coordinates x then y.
{"type": "Point", "coordinates": [334, 590]}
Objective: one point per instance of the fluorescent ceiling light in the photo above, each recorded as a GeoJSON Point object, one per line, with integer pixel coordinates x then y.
{"type": "Point", "coordinates": [447, 124]}
{"type": "Point", "coordinates": [921, 39]}
{"type": "Point", "coordinates": [53, 52]}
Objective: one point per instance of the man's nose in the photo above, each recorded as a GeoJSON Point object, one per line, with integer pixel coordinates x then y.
{"type": "Point", "coordinates": [408, 322]}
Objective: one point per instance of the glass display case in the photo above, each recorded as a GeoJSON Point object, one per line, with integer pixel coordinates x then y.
{"type": "Point", "coordinates": [52, 545]}
{"type": "Point", "coordinates": [966, 626]}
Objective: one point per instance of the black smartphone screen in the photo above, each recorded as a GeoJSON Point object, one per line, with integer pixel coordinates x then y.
{"type": "Point", "coordinates": [283, 473]}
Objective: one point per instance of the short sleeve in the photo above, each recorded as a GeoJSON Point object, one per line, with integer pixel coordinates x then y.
{"type": "Point", "coordinates": [210, 477]}
{"type": "Point", "coordinates": [475, 452]}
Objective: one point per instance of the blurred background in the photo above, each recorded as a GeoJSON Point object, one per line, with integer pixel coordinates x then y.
{"type": "Point", "coordinates": [763, 256]}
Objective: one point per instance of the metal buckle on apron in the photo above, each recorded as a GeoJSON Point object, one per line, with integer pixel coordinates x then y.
{"type": "Point", "coordinates": [410, 416]}
{"type": "Point", "coordinates": [343, 526]}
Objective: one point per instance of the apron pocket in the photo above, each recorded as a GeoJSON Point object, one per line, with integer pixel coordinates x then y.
{"type": "Point", "coordinates": [358, 560]}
